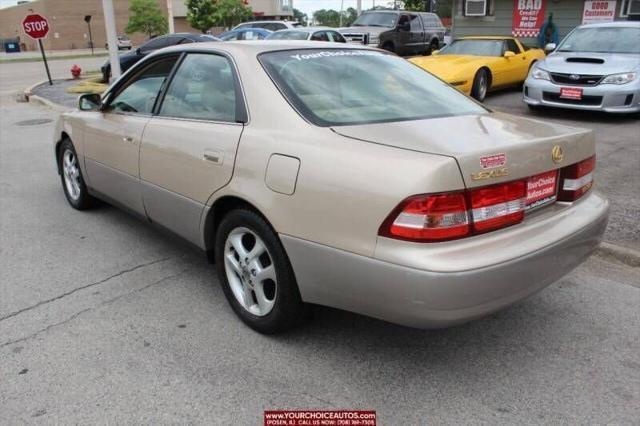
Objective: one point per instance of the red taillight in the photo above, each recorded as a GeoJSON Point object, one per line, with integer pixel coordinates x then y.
{"type": "Point", "coordinates": [428, 218]}
{"type": "Point", "coordinates": [497, 206]}
{"type": "Point", "coordinates": [441, 217]}
{"type": "Point", "coordinates": [576, 179]}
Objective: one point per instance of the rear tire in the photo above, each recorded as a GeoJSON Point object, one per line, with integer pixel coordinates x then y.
{"type": "Point", "coordinates": [389, 47]}
{"type": "Point", "coordinates": [255, 274]}
{"type": "Point", "coordinates": [480, 85]}
{"type": "Point", "coordinates": [73, 185]}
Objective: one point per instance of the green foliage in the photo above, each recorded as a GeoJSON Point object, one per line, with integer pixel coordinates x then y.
{"type": "Point", "coordinates": [200, 14]}
{"type": "Point", "coordinates": [331, 18]}
{"type": "Point", "coordinates": [146, 17]}
{"type": "Point", "coordinates": [229, 13]}
{"type": "Point", "coordinates": [300, 16]}
{"type": "Point", "coordinates": [204, 14]}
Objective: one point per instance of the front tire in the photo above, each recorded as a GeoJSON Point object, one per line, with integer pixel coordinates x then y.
{"type": "Point", "coordinates": [255, 273]}
{"type": "Point", "coordinates": [73, 185]}
{"type": "Point", "coordinates": [389, 47]}
{"type": "Point", "coordinates": [480, 85]}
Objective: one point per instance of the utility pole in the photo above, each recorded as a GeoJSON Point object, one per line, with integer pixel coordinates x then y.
{"type": "Point", "coordinates": [359, 6]}
{"type": "Point", "coordinates": [172, 28]}
{"type": "Point", "coordinates": [87, 19]}
{"type": "Point", "coordinates": [341, 11]}
{"type": "Point", "coordinates": [112, 41]}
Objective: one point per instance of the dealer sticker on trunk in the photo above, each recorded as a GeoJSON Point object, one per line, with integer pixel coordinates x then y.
{"type": "Point", "coordinates": [495, 160]}
{"type": "Point", "coordinates": [541, 189]}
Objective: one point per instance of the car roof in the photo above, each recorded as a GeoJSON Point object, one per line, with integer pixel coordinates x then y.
{"type": "Point", "coordinates": [486, 38]}
{"type": "Point", "coordinates": [616, 24]}
{"type": "Point", "coordinates": [306, 30]}
{"type": "Point", "coordinates": [255, 47]}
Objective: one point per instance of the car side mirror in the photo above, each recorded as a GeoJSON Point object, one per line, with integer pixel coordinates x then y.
{"type": "Point", "coordinates": [138, 51]}
{"type": "Point", "coordinates": [509, 54]}
{"type": "Point", "coordinates": [550, 47]}
{"type": "Point", "coordinates": [89, 102]}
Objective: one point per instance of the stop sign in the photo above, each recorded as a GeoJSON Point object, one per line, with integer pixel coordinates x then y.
{"type": "Point", "coordinates": [35, 26]}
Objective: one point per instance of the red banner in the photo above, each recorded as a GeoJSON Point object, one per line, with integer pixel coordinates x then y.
{"type": "Point", "coordinates": [528, 17]}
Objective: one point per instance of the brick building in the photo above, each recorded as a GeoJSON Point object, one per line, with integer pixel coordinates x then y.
{"type": "Point", "coordinates": [68, 30]}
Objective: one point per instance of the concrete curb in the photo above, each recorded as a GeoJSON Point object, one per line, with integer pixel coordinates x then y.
{"type": "Point", "coordinates": [28, 94]}
{"type": "Point", "coordinates": [625, 255]}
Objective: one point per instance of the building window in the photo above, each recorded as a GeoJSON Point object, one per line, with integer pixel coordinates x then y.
{"type": "Point", "coordinates": [629, 7]}
{"type": "Point", "coordinates": [477, 7]}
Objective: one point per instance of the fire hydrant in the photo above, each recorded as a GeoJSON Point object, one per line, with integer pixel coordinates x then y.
{"type": "Point", "coordinates": [75, 71]}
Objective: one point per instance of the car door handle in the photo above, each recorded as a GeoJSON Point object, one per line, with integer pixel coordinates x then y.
{"type": "Point", "coordinates": [213, 156]}
{"type": "Point", "coordinates": [128, 139]}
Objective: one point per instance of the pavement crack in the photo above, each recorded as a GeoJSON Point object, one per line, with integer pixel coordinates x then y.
{"type": "Point", "coordinates": [70, 292]}
{"type": "Point", "coordinates": [77, 314]}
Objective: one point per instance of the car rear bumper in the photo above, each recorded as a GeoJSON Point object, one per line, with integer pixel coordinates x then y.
{"type": "Point", "coordinates": [623, 98]}
{"type": "Point", "coordinates": [426, 299]}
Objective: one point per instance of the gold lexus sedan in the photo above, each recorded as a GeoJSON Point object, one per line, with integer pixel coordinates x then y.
{"type": "Point", "coordinates": [321, 173]}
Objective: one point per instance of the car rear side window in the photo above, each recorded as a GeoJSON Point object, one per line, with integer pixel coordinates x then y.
{"type": "Point", "coordinates": [203, 88]}
{"type": "Point", "coordinates": [139, 93]}
{"type": "Point", "coordinates": [354, 86]}
{"type": "Point", "coordinates": [512, 46]}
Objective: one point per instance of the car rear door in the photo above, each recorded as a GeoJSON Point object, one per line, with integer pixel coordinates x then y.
{"type": "Point", "coordinates": [113, 135]}
{"type": "Point", "coordinates": [189, 146]}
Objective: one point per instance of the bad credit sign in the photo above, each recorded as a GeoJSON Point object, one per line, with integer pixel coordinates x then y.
{"type": "Point", "coordinates": [528, 17]}
{"type": "Point", "coordinates": [598, 11]}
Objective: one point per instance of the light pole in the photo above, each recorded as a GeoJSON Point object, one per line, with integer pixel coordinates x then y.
{"type": "Point", "coordinates": [112, 41]}
{"type": "Point", "coordinates": [87, 19]}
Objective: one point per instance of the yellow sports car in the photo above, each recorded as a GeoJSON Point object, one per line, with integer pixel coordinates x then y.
{"type": "Point", "coordinates": [476, 65]}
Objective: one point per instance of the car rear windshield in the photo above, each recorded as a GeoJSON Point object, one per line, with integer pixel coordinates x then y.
{"type": "Point", "coordinates": [477, 47]}
{"type": "Point", "coordinates": [376, 19]}
{"type": "Point", "coordinates": [353, 86]}
{"type": "Point", "coordinates": [602, 40]}
{"type": "Point", "coordinates": [289, 35]}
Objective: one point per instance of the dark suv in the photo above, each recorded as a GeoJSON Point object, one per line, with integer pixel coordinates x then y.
{"type": "Point", "coordinates": [128, 59]}
{"type": "Point", "coordinates": [399, 31]}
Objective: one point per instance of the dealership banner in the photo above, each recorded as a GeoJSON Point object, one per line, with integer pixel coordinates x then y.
{"type": "Point", "coordinates": [598, 11]}
{"type": "Point", "coordinates": [528, 17]}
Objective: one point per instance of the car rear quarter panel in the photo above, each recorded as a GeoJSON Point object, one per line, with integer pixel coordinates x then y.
{"type": "Point", "coordinates": [345, 187]}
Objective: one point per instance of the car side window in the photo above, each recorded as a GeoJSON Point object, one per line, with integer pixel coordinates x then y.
{"type": "Point", "coordinates": [232, 37]}
{"type": "Point", "coordinates": [336, 37]}
{"type": "Point", "coordinates": [251, 35]}
{"type": "Point", "coordinates": [416, 25]}
{"type": "Point", "coordinates": [320, 36]}
{"type": "Point", "coordinates": [513, 46]}
{"type": "Point", "coordinates": [203, 88]}
{"type": "Point", "coordinates": [140, 92]}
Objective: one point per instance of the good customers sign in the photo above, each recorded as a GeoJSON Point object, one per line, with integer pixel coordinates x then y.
{"type": "Point", "coordinates": [598, 11]}
{"type": "Point", "coordinates": [528, 17]}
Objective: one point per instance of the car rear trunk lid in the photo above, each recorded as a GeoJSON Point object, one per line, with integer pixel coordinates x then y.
{"type": "Point", "coordinates": [489, 148]}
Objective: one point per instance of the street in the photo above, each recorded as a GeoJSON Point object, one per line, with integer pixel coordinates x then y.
{"type": "Point", "coordinates": [105, 319]}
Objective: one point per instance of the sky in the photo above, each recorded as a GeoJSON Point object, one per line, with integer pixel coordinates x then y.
{"type": "Point", "coordinates": [306, 6]}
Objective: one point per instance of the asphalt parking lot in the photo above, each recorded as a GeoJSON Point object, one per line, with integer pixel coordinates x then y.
{"type": "Point", "coordinates": [105, 319]}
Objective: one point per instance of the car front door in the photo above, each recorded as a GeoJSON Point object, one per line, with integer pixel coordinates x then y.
{"type": "Point", "coordinates": [189, 146]}
{"type": "Point", "coordinates": [113, 135]}
{"type": "Point", "coordinates": [519, 65]}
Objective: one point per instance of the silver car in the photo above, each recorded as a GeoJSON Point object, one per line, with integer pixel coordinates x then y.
{"type": "Point", "coordinates": [338, 175]}
{"type": "Point", "coordinates": [596, 67]}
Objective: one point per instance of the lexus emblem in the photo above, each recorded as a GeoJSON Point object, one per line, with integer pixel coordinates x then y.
{"type": "Point", "coordinates": [574, 77]}
{"type": "Point", "coordinates": [557, 154]}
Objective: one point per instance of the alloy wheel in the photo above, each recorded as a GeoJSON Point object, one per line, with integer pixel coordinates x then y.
{"type": "Point", "coordinates": [250, 271]}
{"type": "Point", "coordinates": [71, 173]}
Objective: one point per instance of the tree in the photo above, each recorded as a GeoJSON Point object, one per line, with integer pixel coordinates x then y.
{"type": "Point", "coordinates": [327, 17]}
{"type": "Point", "coordinates": [201, 14]}
{"type": "Point", "coordinates": [229, 13]}
{"type": "Point", "coordinates": [300, 16]}
{"type": "Point", "coordinates": [146, 17]}
{"type": "Point", "coordinates": [349, 16]}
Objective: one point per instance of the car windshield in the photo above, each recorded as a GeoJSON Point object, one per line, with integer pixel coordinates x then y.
{"type": "Point", "coordinates": [348, 86]}
{"type": "Point", "coordinates": [602, 40]}
{"type": "Point", "coordinates": [289, 35]}
{"type": "Point", "coordinates": [473, 47]}
{"type": "Point", "coordinates": [378, 19]}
